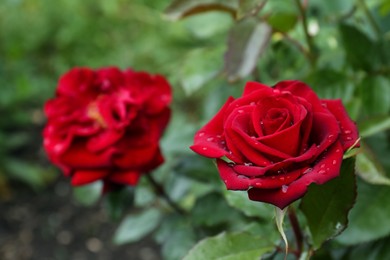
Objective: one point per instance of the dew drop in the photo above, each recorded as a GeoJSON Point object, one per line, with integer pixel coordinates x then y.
{"type": "Point", "coordinates": [223, 142]}
{"type": "Point", "coordinates": [273, 177]}
{"type": "Point", "coordinates": [210, 139]}
{"type": "Point", "coordinates": [281, 178]}
{"type": "Point", "coordinates": [253, 137]}
{"type": "Point", "coordinates": [258, 184]}
{"type": "Point", "coordinates": [330, 136]}
{"type": "Point", "coordinates": [347, 132]}
{"type": "Point", "coordinates": [349, 138]}
{"type": "Point", "coordinates": [338, 150]}
{"type": "Point", "coordinates": [201, 134]}
{"type": "Point", "coordinates": [276, 91]}
{"type": "Point", "coordinates": [204, 148]}
{"type": "Point", "coordinates": [248, 164]}
{"type": "Point", "coordinates": [253, 103]}
{"type": "Point", "coordinates": [58, 148]}
{"type": "Point", "coordinates": [242, 177]}
{"type": "Point", "coordinates": [284, 188]}
{"type": "Point", "coordinates": [321, 172]}
{"type": "Point", "coordinates": [307, 170]}
{"type": "Point", "coordinates": [322, 166]}
{"type": "Point", "coordinates": [219, 136]}
{"type": "Point", "coordinates": [339, 226]}
{"type": "Point", "coordinates": [240, 111]}
{"type": "Point", "coordinates": [334, 162]}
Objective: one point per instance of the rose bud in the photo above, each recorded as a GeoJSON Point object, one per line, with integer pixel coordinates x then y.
{"type": "Point", "coordinates": [274, 142]}
{"type": "Point", "coordinates": [106, 124]}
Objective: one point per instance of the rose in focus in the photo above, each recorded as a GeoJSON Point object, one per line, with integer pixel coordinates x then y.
{"type": "Point", "coordinates": [274, 142]}
{"type": "Point", "coordinates": [106, 124]}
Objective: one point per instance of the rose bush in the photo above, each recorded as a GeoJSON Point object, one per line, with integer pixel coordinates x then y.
{"type": "Point", "coordinates": [274, 142]}
{"type": "Point", "coordinates": [106, 124]}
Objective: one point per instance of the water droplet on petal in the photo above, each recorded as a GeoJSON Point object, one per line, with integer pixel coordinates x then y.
{"type": "Point", "coordinates": [338, 150]}
{"type": "Point", "coordinates": [204, 148]}
{"type": "Point", "coordinates": [284, 188]}
{"type": "Point", "coordinates": [253, 103]}
{"type": "Point", "coordinates": [243, 177]}
{"type": "Point", "coordinates": [223, 142]}
{"type": "Point", "coordinates": [240, 111]}
{"type": "Point", "coordinates": [347, 132]}
{"type": "Point", "coordinates": [349, 138]}
{"type": "Point", "coordinates": [219, 136]}
{"type": "Point", "coordinates": [201, 134]}
{"type": "Point", "coordinates": [281, 178]}
{"type": "Point", "coordinates": [322, 166]}
{"type": "Point", "coordinates": [334, 162]}
{"type": "Point", "coordinates": [258, 184]}
{"type": "Point", "coordinates": [307, 170]}
{"type": "Point", "coordinates": [276, 91]}
{"type": "Point", "coordinates": [321, 172]}
{"type": "Point", "coordinates": [209, 139]}
{"type": "Point", "coordinates": [248, 164]}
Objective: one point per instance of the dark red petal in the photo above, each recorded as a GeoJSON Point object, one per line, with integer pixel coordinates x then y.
{"type": "Point", "coordinates": [125, 177]}
{"type": "Point", "coordinates": [104, 140]}
{"type": "Point", "coordinates": [82, 177]}
{"type": "Point", "coordinates": [230, 177]}
{"type": "Point", "coordinates": [349, 132]}
{"type": "Point", "coordinates": [327, 168]}
{"type": "Point", "coordinates": [76, 81]}
{"type": "Point", "coordinates": [252, 86]}
{"type": "Point", "coordinates": [78, 156]}
{"type": "Point", "coordinates": [205, 146]}
{"type": "Point", "coordinates": [300, 89]}
{"type": "Point", "coordinates": [136, 157]}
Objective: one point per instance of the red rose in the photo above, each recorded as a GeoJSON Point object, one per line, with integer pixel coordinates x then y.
{"type": "Point", "coordinates": [106, 124]}
{"type": "Point", "coordinates": [275, 142]}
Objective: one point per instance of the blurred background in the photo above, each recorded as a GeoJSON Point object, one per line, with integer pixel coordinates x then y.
{"type": "Point", "coordinates": [42, 217]}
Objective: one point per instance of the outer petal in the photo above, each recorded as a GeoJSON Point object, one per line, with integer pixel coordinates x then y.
{"type": "Point", "coordinates": [125, 177]}
{"type": "Point", "coordinates": [326, 169]}
{"type": "Point", "coordinates": [207, 140]}
{"type": "Point", "coordinates": [82, 177]}
{"type": "Point", "coordinates": [252, 86]}
{"type": "Point", "coordinates": [349, 132]}
{"type": "Point", "coordinates": [76, 81]}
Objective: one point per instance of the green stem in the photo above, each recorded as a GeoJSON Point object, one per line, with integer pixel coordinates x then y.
{"type": "Point", "coordinates": [370, 18]}
{"type": "Point", "coordinates": [308, 37]}
{"type": "Point", "coordinates": [159, 190]}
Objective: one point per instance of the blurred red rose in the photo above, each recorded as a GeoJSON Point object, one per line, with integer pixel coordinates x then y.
{"type": "Point", "coordinates": [274, 142]}
{"type": "Point", "coordinates": [106, 124]}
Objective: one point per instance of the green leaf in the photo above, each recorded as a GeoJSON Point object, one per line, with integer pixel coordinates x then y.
{"type": "Point", "coordinates": [369, 219]}
{"type": "Point", "coordinates": [116, 202]}
{"type": "Point", "coordinates": [135, 227]}
{"type": "Point", "coordinates": [240, 201]}
{"type": "Point", "coordinates": [247, 40]}
{"type": "Point", "coordinates": [176, 236]}
{"type": "Point", "coordinates": [362, 55]}
{"type": "Point", "coordinates": [375, 125]}
{"type": "Point", "coordinates": [370, 169]}
{"type": "Point", "coordinates": [88, 194]}
{"type": "Point", "coordinates": [197, 70]}
{"type": "Point", "coordinates": [375, 94]}
{"type": "Point", "coordinates": [212, 210]}
{"type": "Point", "coordinates": [179, 9]}
{"type": "Point", "coordinates": [230, 246]}
{"type": "Point", "coordinates": [326, 206]}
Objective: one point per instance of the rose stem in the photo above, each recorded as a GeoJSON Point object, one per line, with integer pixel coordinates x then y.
{"type": "Point", "coordinates": [297, 230]}
{"type": "Point", "coordinates": [159, 190]}
{"type": "Point", "coordinates": [308, 37]}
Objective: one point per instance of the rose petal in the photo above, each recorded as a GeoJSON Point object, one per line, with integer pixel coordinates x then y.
{"type": "Point", "coordinates": [76, 81]}
{"type": "Point", "coordinates": [104, 140]}
{"type": "Point", "coordinates": [136, 157]}
{"type": "Point", "coordinates": [125, 177]}
{"type": "Point", "coordinates": [326, 169]}
{"type": "Point", "coordinates": [82, 177]}
{"type": "Point", "coordinates": [252, 86]}
{"type": "Point", "coordinates": [349, 132]}
{"type": "Point", "coordinates": [202, 144]}
{"type": "Point", "coordinates": [78, 156]}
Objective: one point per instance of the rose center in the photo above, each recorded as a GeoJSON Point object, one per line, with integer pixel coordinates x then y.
{"type": "Point", "coordinates": [276, 119]}
{"type": "Point", "coordinates": [93, 113]}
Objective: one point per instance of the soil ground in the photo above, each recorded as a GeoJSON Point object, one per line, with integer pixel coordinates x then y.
{"type": "Point", "coordinates": [50, 225]}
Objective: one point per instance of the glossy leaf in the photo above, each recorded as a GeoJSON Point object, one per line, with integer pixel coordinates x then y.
{"type": "Point", "coordinates": [88, 194]}
{"type": "Point", "coordinates": [135, 227]}
{"type": "Point", "coordinates": [375, 95]}
{"type": "Point", "coordinates": [326, 206]}
{"type": "Point", "coordinates": [247, 40]}
{"type": "Point", "coordinates": [240, 201]}
{"type": "Point", "coordinates": [370, 169]}
{"type": "Point", "coordinates": [369, 219]}
{"type": "Point", "coordinates": [179, 9]}
{"type": "Point", "coordinates": [230, 246]}
{"type": "Point", "coordinates": [373, 126]}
